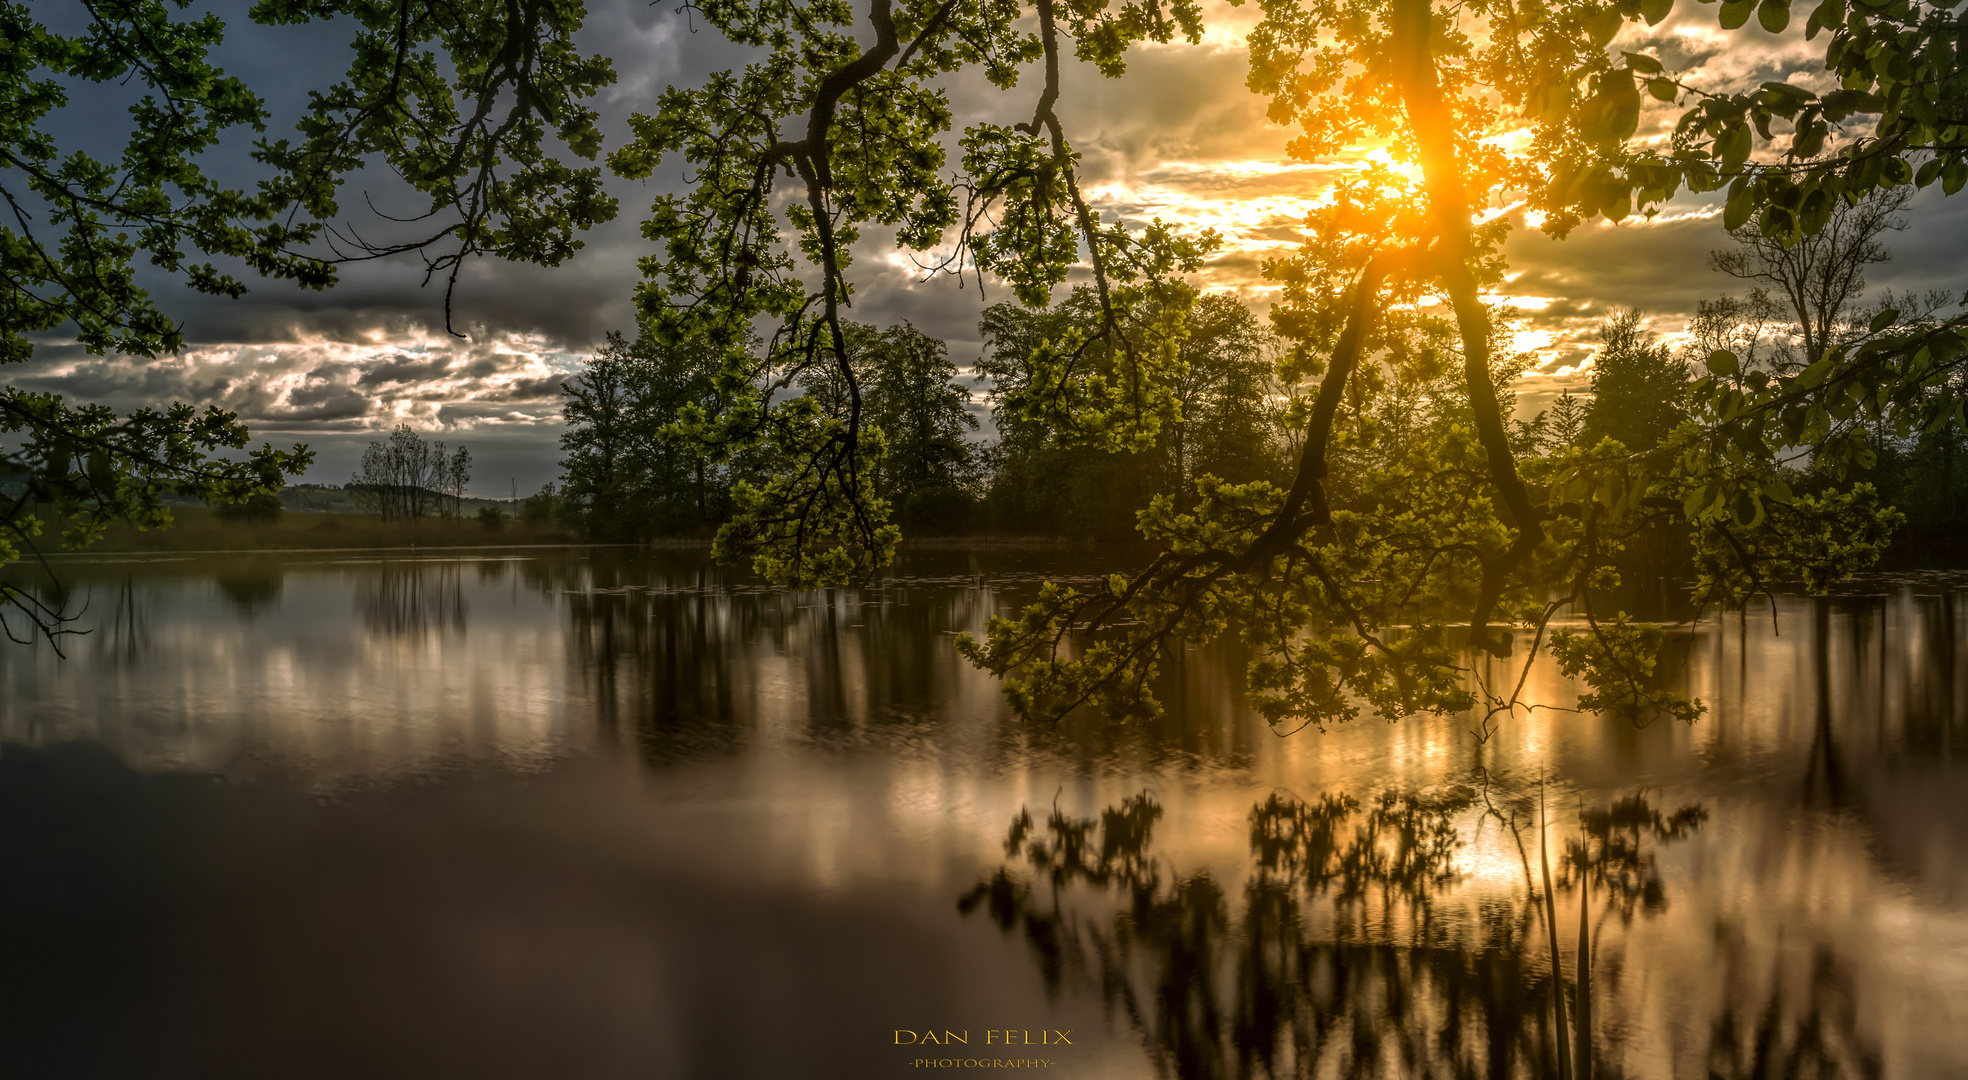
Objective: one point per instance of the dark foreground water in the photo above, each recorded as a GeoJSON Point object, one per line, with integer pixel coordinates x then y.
{"type": "Point", "coordinates": [601, 814]}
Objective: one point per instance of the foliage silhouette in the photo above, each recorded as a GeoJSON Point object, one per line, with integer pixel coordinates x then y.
{"type": "Point", "coordinates": [1334, 956]}
{"type": "Point", "coordinates": [841, 126]}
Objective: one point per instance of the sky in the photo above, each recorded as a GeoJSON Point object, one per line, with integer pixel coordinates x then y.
{"type": "Point", "coordinates": [1178, 137]}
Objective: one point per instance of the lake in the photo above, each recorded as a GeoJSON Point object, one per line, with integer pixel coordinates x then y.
{"type": "Point", "coordinates": [618, 813]}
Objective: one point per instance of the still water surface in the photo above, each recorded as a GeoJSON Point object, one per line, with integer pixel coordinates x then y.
{"type": "Point", "coordinates": [612, 813]}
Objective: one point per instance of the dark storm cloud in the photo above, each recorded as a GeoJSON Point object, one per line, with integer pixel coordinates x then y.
{"type": "Point", "coordinates": [546, 388]}
{"type": "Point", "coordinates": [1176, 104]}
{"type": "Point", "coordinates": [1653, 267]}
{"type": "Point", "coordinates": [1661, 270]}
{"type": "Point", "coordinates": [572, 305]}
{"type": "Point", "coordinates": [403, 369]}
{"type": "Point", "coordinates": [325, 401]}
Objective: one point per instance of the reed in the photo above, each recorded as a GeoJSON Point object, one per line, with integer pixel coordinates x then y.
{"type": "Point", "coordinates": [1551, 935]}
{"type": "Point", "coordinates": [1582, 1015]}
{"type": "Point", "coordinates": [1574, 1048]}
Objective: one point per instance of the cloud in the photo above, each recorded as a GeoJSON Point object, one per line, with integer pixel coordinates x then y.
{"type": "Point", "coordinates": [325, 385]}
{"type": "Point", "coordinates": [1179, 137]}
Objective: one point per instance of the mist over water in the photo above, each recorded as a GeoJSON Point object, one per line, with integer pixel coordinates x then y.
{"type": "Point", "coordinates": [620, 813]}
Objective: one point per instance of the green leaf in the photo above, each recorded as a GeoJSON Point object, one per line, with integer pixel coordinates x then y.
{"type": "Point", "coordinates": [1883, 320]}
{"type": "Point", "coordinates": [1776, 491]}
{"type": "Point", "coordinates": [1928, 173]}
{"type": "Point", "coordinates": [1724, 363]}
{"type": "Point", "coordinates": [1735, 13]}
{"type": "Point", "coordinates": [1840, 104]}
{"type": "Point", "coordinates": [1604, 25]}
{"type": "Point", "coordinates": [1642, 63]}
{"type": "Point", "coordinates": [1953, 175]}
{"type": "Point", "coordinates": [1828, 14]}
{"type": "Point", "coordinates": [1614, 113]}
{"type": "Point", "coordinates": [1733, 145]}
{"type": "Point", "coordinates": [1697, 501]}
{"type": "Point", "coordinates": [1655, 10]}
{"type": "Point", "coordinates": [102, 471]}
{"type": "Point", "coordinates": [1662, 89]}
{"type": "Point", "coordinates": [1774, 15]}
{"type": "Point", "coordinates": [1780, 225]}
{"type": "Point", "coordinates": [1741, 204]}
{"type": "Point", "coordinates": [1785, 97]}
{"type": "Point", "coordinates": [1815, 213]}
{"type": "Point", "coordinates": [1748, 509]}
{"type": "Point", "coordinates": [1815, 374]}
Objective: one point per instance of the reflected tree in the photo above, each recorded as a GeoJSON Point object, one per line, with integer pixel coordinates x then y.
{"type": "Point", "coordinates": [1774, 1023]}
{"type": "Point", "coordinates": [127, 634]}
{"type": "Point", "coordinates": [660, 646]}
{"type": "Point", "coordinates": [251, 593]}
{"type": "Point", "coordinates": [412, 600]}
{"type": "Point", "coordinates": [1331, 960]}
{"type": "Point", "coordinates": [1612, 854]}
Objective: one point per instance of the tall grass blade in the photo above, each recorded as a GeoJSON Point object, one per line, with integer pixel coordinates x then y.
{"type": "Point", "coordinates": [1551, 934]}
{"type": "Point", "coordinates": [1582, 1045]}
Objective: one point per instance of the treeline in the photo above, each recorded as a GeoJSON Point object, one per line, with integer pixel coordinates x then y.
{"type": "Point", "coordinates": [1802, 302]}
{"type": "Point", "coordinates": [957, 460]}
{"type": "Point", "coordinates": [630, 473]}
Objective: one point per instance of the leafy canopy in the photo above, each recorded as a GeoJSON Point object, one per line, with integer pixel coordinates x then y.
{"type": "Point", "coordinates": [1359, 580]}
{"type": "Point", "coordinates": [458, 99]}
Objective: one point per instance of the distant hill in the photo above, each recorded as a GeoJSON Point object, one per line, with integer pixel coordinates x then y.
{"type": "Point", "coordinates": [305, 499]}
{"type": "Point", "coordinates": [338, 499]}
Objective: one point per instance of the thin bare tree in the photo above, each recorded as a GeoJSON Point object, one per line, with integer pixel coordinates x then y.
{"type": "Point", "coordinates": [407, 478]}
{"type": "Point", "coordinates": [1817, 277]}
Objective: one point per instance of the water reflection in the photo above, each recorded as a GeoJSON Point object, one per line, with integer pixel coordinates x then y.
{"type": "Point", "coordinates": [1780, 886]}
{"type": "Point", "coordinates": [125, 635]}
{"type": "Point", "coordinates": [251, 590]}
{"type": "Point", "coordinates": [1348, 946]}
{"type": "Point", "coordinates": [412, 600]}
{"type": "Point", "coordinates": [1778, 1021]}
{"type": "Point", "coordinates": [1614, 853]}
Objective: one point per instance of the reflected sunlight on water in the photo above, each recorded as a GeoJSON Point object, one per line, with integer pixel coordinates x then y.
{"type": "Point", "coordinates": [594, 807]}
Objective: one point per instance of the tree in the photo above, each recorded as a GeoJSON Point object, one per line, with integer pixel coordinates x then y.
{"type": "Point", "coordinates": [627, 475]}
{"type": "Point", "coordinates": [543, 506]}
{"type": "Point", "coordinates": [1460, 527]}
{"type": "Point", "coordinates": [1227, 397]}
{"type": "Point", "coordinates": [79, 222]}
{"type": "Point", "coordinates": [1752, 327]}
{"type": "Point", "coordinates": [407, 478]}
{"type": "Point", "coordinates": [1566, 425]}
{"type": "Point", "coordinates": [1817, 276]}
{"type": "Point", "coordinates": [1276, 564]}
{"type": "Point", "coordinates": [81, 468]}
{"type": "Point", "coordinates": [1042, 479]}
{"type": "Point", "coordinates": [1226, 419]}
{"type": "Point", "coordinates": [263, 508]}
{"type": "Point", "coordinates": [457, 474]}
{"type": "Point", "coordinates": [929, 465]}
{"type": "Point", "coordinates": [1394, 289]}
{"type": "Point", "coordinates": [602, 429]}
{"type": "Point", "coordinates": [1807, 303]}
{"type": "Point", "coordinates": [1639, 389]}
